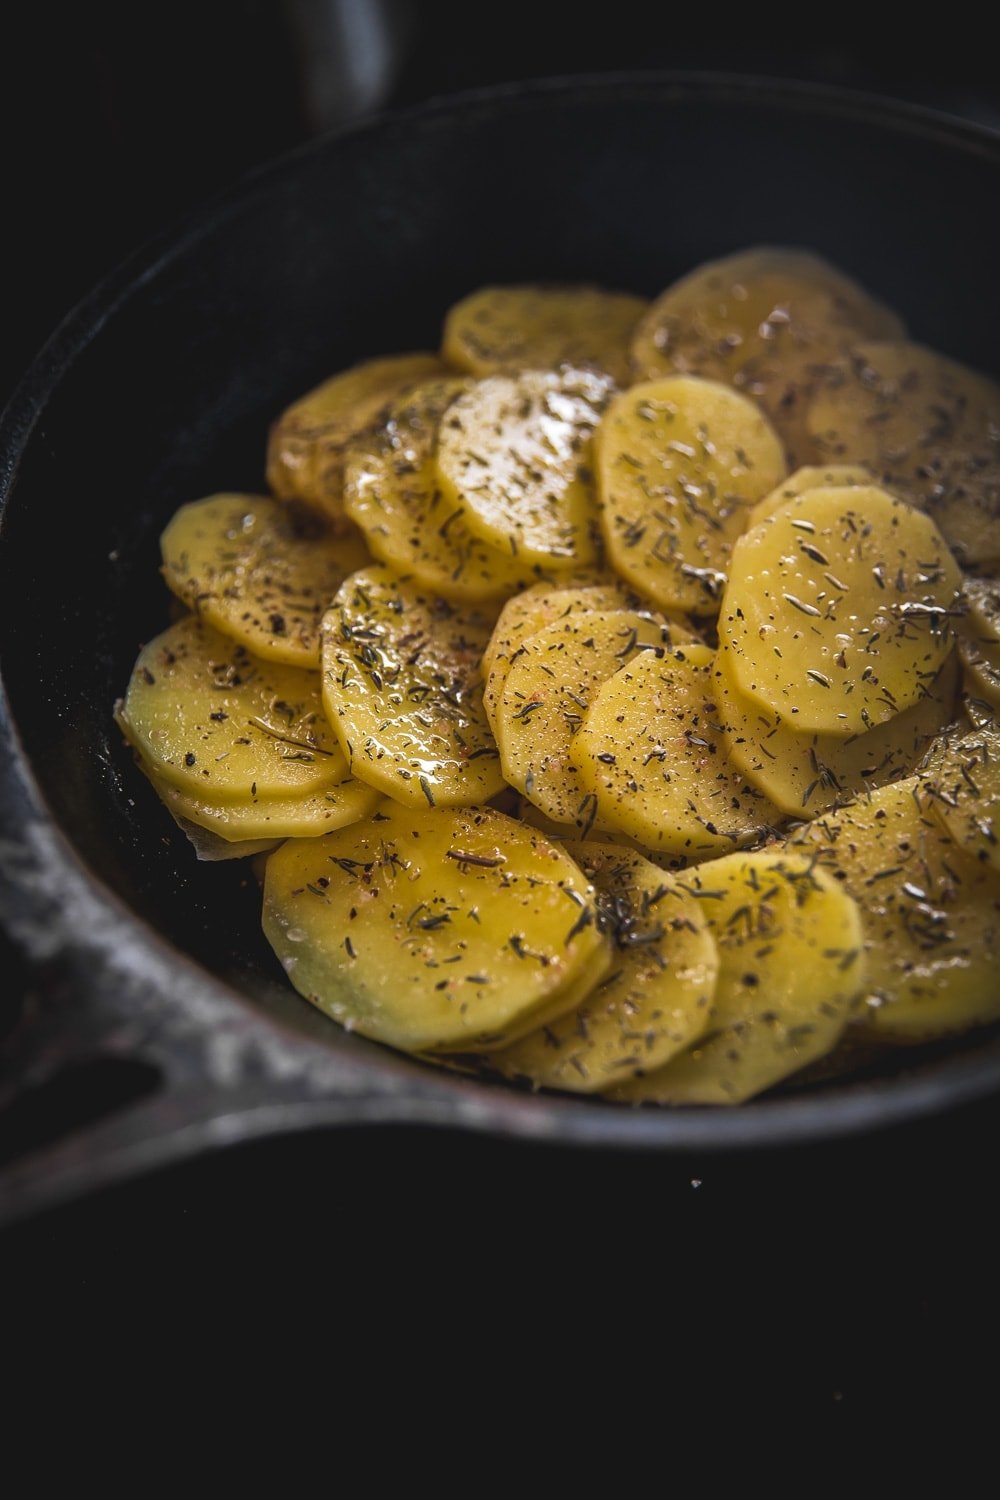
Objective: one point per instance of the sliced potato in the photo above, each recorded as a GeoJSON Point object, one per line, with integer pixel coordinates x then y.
{"type": "Point", "coordinates": [836, 615]}
{"type": "Point", "coordinates": [978, 632]}
{"type": "Point", "coordinates": [270, 818]}
{"type": "Point", "coordinates": [391, 491]}
{"type": "Point", "coordinates": [257, 573]}
{"type": "Point", "coordinates": [211, 849]}
{"type": "Point", "coordinates": [927, 427]}
{"type": "Point", "coordinates": [651, 753]}
{"type": "Point", "coordinates": [548, 689]}
{"type": "Point", "coordinates": [514, 455]}
{"type": "Point", "coordinates": [766, 321]}
{"type": "Point", "coordinates": [501, 328]}
{"type": "Point", "coordinates": [222, 725]}
{"type": "Point", "coordinates": [809, 477]}
{"type": "Point", "coordinates": [804, 773]}
{"type": "Point", "coordinates": [429, 928]}
{"type": "Point", "coordinates": [931, 914]}
{"type": "Point", "coordinates": [657, 998]}
{"type": "Point", "coordinates": [791, 969]}
{"type": "Point", "coordinates": [963, 784]}
{"type": "Point", "coordinates": [401, 687]}
{"type": "Point", "coordinates": [680, 464]}
{"type": "Point", "coordinates": [307, 444]}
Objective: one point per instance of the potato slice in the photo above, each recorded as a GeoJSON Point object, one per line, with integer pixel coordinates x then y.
{"type": "Point", "coordinates": [927, 426]}
{"type": "Point", "coordinates": [307, 444]}
{"type": "Point", "coordinates": [270, 818]}
{"type": "Point", "coordinates": [805, 773]}
{"type": "Point", "coordinates": [651, 753]}
{"type": "Point", "coordinates": [211, 849]}
{"type": "Point", "coordinates": [401, 687]}
{"type": "Point", "coordinates": [680, 463]}
{"type": "Point", "coordinates": [978, 632]}
{"type": "Point", "coordinates": [429, 928]}
{"type": "Point", "coordinates": [791, 969]}
{"type": "Point", "coordinates": [657, 998]}
{"type": "Point", "coordinates": [500, 328]}
{"type": "Point", "coordinates": [931, 914]}
{"type": "Point", "coordinates": [514, 455]}
{"type": "Point", "coordinates": [963, 784]}
{"type": "Point", "coordinates": [547, 691]}
{"type": "Point", "coordinates": [257, 573]}
{"type": "Point", "coordinates": [223, 726]}
{"type": "Point", "coordinates": [766, 321]}
{"type": "Point", "coordinates": [836, 615]}
{"type": "Point", "coordinates": [392, 493]}
{"type": "Point", "coordinates": [810, 477]}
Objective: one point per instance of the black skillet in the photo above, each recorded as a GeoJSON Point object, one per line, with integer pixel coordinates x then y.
{"type": "Point", "coordinates": [145, 1017]}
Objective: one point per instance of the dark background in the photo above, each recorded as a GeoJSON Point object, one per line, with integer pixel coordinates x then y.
{"type": "Point", "coordinates": [859, 1269]}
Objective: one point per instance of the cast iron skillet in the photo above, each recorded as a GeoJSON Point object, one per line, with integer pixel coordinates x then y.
{"type": "Point", "coordinates": [147, 1018]}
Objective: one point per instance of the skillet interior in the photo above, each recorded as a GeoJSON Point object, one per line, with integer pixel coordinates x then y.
{"type": "Point", "coordinates": [161, 389]}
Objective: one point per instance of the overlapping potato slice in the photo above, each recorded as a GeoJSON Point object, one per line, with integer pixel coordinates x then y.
{"type": "Point", "coordinates": [962, 782]}
{"type": "Point", "coordinates": [766, 321]}
{"type": "Point", "coordinates": [836, 615]}
{"type": "Point", "coordinates": [391, 491]}
{"type": "Point", "coordinates": [549, 686]}
{"type": "Point", "coordinates": [528, 613]}
{"type": "Point", "coordinates": [931, 914]}
{"type": "Point", "coordinates": [514, 455]}
{"type": "Point", "coordinates": [791, 969]}
{"type": "Point", "coordinates": [928, 427]}
{"type": "Point", "coordinates": [809, 477]}
{"type": "Point", "coordinates": [434, 928]}
{"type": "Point", "coordinates": [500, 328]}
{"type": "Point", "coordinates": [657, 998]}
{"type": "Point", "coordinates": [258, 573]}
{"type": "Point", "coordinates": [307, 444]}
{"type": "Point", "coordinates": [680, 462]}
{"type": "Point", "coordinates": [401, 687]}
{"type": "Point", "coordinates": [271, 818]}
{"type": "Point", "coordinates": [804, 773]}
{"type": "Point", "coordinates": [222, 725]}
{"type": "Point", "coordinates": [651, 753]}
{"type": "Point", "coordinates": [978, 631]}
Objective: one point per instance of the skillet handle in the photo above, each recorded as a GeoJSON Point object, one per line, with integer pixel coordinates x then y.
{"type": "Point", "coordinates": [116, 1058]}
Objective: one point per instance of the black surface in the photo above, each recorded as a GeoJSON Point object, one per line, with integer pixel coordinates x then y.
{"type": "Point", "coordinates": [915, 1197]}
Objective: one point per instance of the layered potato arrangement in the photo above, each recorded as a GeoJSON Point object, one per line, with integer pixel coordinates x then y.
{"type": "Point", "coordinates": [613, 693]}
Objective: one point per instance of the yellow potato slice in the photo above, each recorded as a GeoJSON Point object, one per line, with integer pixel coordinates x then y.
{"type": "Point", "coordinates": [805, 773]}
{"type": "Point", "coordinates": [836, 615]}
{"type": "Point", "coordinates": [791, 969]}
{"type": "Point", "coordinates": [430, 928]}
{"type": "Point", "coordinates": [548, 689]}
{"type": "Point", "coordinates": [657, 998]}
{"type": "Point", "coordinates": [978, 632]}
{"type": "Point", "coordinates": [270, 818]}
{"type": "Point", "coordinates": [931, 914]}
{"type": "Point", "coordinates": [401, 687]}
{"type": "Point", "coordinates": [963, 785]}
{"type": "Point", "coordinates": [307, 444]}
{"type": "Point", "coordinates": [766, 321]}
{"type": "Point", "coordinates": [211, 849]}
{"type": "Point", "coordinates": [652, 754]}
{"type": "Point", "coordinates": [257, 573]}
{"type": "Point", "coordinates": [501, 328]}
{"type": "Point", "coordinates": [927, 426]}
{"type": "Point", "coordinates": [514, 455]}
{"type": "Point", "coordinates": [680, 463]}
{"type": "Point", "coordinates": [391, 491]}
{"type": "Point", "coordinates": [223, 726]}
{"type": "Point", "coordinates": [810, 477]}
